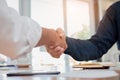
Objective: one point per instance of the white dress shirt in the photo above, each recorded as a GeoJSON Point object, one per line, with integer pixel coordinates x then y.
{"type": "Point", "coordinates": [18, 34]}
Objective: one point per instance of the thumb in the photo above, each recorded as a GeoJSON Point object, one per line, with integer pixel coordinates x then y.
{"type": "Point", "coordinates": [61, 33]}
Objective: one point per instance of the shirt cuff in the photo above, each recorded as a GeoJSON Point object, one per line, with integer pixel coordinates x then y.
{"type": "Point", "coordinates": [34, 34]}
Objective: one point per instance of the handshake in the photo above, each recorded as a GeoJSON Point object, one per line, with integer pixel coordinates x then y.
{"type": "Point", "coordinates": [54, 41]}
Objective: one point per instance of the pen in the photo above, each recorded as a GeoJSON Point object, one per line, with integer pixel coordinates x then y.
{"type": "Point", "coordinates": [7, 66]}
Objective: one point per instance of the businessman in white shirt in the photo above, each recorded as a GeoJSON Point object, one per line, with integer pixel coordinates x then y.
{"type": "Point", "coordinates": [19, 34]}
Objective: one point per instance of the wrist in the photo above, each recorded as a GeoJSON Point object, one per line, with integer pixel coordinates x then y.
{"type": "Point", "coordinates": [45, 38]}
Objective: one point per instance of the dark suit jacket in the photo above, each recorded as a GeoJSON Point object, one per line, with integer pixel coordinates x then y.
{"type": "Point", "coordinates": [107, 34]}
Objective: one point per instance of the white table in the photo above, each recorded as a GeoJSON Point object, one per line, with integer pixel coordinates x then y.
{"type": "Point", "coordinates": [97, 74]}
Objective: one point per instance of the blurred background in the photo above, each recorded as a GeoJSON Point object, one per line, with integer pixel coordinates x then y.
{"type": "Point", "coordinates": [78, 18]}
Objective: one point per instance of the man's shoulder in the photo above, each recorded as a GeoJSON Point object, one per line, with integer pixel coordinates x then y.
{"type": "Point", "coordinates": [116, 5]}
{"type": "Point", "coordinates": [118, 2]}
{"type": "Point", "coordinates": [114, 8]}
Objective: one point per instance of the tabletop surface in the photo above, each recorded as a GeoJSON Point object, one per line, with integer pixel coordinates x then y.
{"type": "Point", "coordinates": [91, 74]}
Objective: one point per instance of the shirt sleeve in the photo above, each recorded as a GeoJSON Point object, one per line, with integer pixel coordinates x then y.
{"type": "Point", "coordinates": [18, 34]}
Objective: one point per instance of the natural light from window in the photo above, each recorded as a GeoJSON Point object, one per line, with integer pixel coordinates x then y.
{"type": "Point", "coordinates": [49, 13]}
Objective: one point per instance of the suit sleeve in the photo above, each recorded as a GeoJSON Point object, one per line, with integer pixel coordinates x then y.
{"type": "Point", "coordinates": [99, 43]}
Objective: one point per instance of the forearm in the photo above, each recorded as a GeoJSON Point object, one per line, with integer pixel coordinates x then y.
{"type": "Point", "coordinates": [82, 49]}
{"type": "Point", "coordinates": [49, 37]}
{"type": "Point", "coordinates": [44, 37]}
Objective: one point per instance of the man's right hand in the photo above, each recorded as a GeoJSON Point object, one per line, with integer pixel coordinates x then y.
{"type": "Point", "coordinates": [56, 51]}
{"type": "Point", "coordinates": [54, 41]}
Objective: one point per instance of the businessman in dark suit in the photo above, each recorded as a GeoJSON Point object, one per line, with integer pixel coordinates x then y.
{"type": "Point", "coordinates": [107, 34]}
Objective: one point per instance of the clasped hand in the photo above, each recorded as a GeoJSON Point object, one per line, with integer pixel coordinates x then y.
{"type": "Point", "coordinates": [57, 44]}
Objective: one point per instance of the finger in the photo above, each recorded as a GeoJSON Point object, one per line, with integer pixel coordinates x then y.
{"type": "Point", "coordinates": [51, 47]}
{"type": "Point", "coordinates": [60, 32]}
{"type": "Point", "coordinates": [59, 51]}
{"type": "Point", "coordinates": [66, 46]}
{"type": "Point", "coordinates": [57, 48]}
{"type": "Point", "coordinates": [55, 55]}
{"type": "Point", "coordinates": [62, 36]}
{"type": "Point", "coordinates": [52, 52]}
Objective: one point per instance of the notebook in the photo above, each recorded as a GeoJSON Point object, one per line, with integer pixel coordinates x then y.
{"type": "Point", "coordinates": [93, 65]}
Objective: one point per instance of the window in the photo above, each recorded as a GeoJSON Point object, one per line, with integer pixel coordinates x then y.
{"type": "Point", "coordinates": [48, 14]}
{"type": "Point", "coordinates": [78, 18]}
{"type": "Point", "coordinates": [78, 21]}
